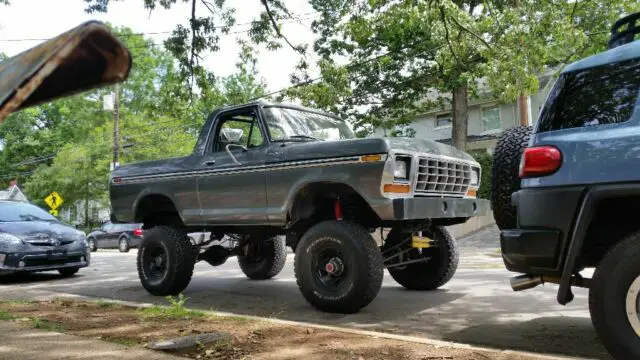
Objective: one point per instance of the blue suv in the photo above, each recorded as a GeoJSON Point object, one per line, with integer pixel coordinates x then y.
{"type": "Point", "coordinates": [566, 194]}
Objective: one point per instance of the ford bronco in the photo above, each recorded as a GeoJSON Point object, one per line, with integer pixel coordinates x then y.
{"type": "Point", "coordinates": [567, 194]}
{"type": "Point", "coordinates": [266, 176]}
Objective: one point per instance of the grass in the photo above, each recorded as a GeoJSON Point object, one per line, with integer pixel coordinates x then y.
{"type": "Point", "coordinates": [17, 302]}
{"type": "Point", "coordinates": [107, 304]}
{"type": "Point", "coordinates": [175, 310]}
{"type": "Point", "coordinates": [46, 325]}
{"type": "Point", "coordinates": [6, 316]}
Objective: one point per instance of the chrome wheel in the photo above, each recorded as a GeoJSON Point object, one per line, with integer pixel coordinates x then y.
{"type": "Point", "coordinates": [632, 305]}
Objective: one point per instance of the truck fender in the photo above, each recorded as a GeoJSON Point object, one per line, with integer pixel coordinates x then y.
{"type": "Point", "coordinates": [154, 191]}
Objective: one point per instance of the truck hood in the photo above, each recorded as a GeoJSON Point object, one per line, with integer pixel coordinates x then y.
{"type": "Point", "coordinates": [354, 147]}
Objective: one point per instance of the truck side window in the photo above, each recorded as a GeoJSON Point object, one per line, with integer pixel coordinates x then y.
{"type": "Point", "coordinates": [232, 124]}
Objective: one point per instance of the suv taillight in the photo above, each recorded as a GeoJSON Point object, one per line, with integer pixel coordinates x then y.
{"type": "Point", "coordinates": [540, 161]}
{"type": "Point", "coordinates": [137, 232]}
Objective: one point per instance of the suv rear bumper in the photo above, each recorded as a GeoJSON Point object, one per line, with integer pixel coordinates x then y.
{"type": "Point", "coordinates": [545, 220]}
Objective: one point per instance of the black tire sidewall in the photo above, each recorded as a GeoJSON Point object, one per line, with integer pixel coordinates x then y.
{"type": "Point", "coordinates": [94, 247]}
{"type": "Point", "coordinates": [437, 271]}
{"type": "Point", "coordinates": [126, 248]}
{"type": "Point", "coordinates": [177, 276]}
{"type": "Point", "coordinates": [272, 261]}
{"type": "Point", "coordinates": [607, 299]}
{"type": "Point", "coordinates": [362, 260]}
{"type": "Point", "coordinates": [505, 179]}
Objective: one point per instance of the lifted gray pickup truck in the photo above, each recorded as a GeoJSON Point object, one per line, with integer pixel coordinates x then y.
{"type": "Point", "coordinates": [273, 175]}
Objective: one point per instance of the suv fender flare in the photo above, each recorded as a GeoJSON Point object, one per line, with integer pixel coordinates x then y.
{"type": "Point", "coordinates": [593, 195]}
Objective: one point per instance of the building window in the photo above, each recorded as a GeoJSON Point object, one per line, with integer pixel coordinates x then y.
{"type": "Point", "coordinates": [443, 120]}
{"type": "Point", "coordinates": [94, 213]}
{"type": "Point", "coordinates": [491, 118]}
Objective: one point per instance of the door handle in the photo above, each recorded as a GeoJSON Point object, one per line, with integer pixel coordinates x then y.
{"type": "Point", "coordinates": [209, 163]}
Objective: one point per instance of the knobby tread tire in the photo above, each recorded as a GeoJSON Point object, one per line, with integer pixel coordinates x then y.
{"type": "Point", "coordinates": [270, 265]}
{"type": "Point", "coordinates": [435, 273]}
{"type": "Point", "coordinates": [607, 297]}
{"type": "Point", "coordinates": [181, 257]}
{"type": "Point", "coordinates": [364, 262]}
{"type": "Point", "coordinates": [505, 179]}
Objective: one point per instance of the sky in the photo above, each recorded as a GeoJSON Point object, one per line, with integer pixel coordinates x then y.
{"type": "Point", "coordinates": [39, 19]}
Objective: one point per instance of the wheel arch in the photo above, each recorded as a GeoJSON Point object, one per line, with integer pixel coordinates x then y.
{"type": "Point", "coordinates": [153, 204]}
{"type": "Point", "coordinates": [594, 200]}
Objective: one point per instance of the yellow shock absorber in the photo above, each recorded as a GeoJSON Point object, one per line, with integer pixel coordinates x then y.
{"type": "Point", "coordinates": [420, 242]}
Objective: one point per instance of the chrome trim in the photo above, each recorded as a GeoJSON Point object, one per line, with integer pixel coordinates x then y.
{"type": "Point", "coordinates": [249, 169]}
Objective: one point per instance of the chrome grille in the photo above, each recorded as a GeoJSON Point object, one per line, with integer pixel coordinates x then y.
{"type": "Point", "coordinates": [442, 177]}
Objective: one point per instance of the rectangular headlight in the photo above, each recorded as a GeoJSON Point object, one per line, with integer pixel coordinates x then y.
{"type": "Point", "coordinates": [474, 177]}
{"type": "Point", "coordinates": [401, 169]}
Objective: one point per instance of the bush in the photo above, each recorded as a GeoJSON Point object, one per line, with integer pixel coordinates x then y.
{"type": "Point", "coordinates": [486, 162]}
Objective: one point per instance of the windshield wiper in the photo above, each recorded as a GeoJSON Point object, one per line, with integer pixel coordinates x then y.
{"type": "Point", "coordinates": [305, 137]}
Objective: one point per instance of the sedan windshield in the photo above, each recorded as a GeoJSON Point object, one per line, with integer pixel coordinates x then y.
{"type": "Point", "coordinates": [17, 211]}
{"type": "Point", "coordinates": [287, 124]}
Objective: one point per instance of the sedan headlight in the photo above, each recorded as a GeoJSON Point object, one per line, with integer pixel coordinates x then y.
{"type": "Point", "coordinates": [474, 177]}
{"type": "Point", "coordinates": [10, 239]}
{"type": "Point", "coordinates": [401, 169]}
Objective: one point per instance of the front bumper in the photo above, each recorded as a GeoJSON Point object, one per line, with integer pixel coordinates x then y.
{"type": "Point", "coordinates": [417, 208]}
{"type": "Point", "coordinates": [545, 218]}
{"type": "Point", "coordinates": [45, 260]}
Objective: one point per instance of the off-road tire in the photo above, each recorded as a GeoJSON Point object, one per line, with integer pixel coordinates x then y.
{"type": "Point", "coordinates": [607, 298]}
{"type": "Point", "coordinates": [362, 262]}
{"type": "Point", "coordinates": [92, 244]}
{"type": "Point", "coordinates": [274, 256]}
{"type": "Point", "coordinates": [432, 274]}
{"type": "Point", "coordinates": [505, 179]}
{"type": "Point", "coordinates": [180, 260]}
{"type": "Point", "coordinates": [68, 272]}
{"type": "Point", "coordinates": [124, 247]}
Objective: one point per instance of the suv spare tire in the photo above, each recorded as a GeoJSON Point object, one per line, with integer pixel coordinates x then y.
{"type": "Point", "coordinates": [505, 179]}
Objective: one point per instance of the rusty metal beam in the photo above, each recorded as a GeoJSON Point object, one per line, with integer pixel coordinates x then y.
{"type": "Point", "coordinates": [86, 57]}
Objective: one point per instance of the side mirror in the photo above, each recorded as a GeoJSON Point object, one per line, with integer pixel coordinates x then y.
{"type": "Point", "coordinates": [230, 135]}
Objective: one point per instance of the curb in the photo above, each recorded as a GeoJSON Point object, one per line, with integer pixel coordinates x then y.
{"type": "Point", "coordinates": [48, 295]}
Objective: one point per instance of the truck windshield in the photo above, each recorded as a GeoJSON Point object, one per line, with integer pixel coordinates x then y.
{"type": "Point", "coordinates": [287, 124]}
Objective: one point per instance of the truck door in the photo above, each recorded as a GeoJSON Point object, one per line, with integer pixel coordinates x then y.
{"type": "Point", "coordinates": [231, 177]}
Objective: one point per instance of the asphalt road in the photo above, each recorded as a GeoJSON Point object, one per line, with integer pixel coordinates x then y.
{"type": "Point", "coordinates": [476, 307]}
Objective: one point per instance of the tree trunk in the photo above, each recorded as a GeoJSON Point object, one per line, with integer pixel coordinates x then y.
{"type": "Point", "coordinates": [460, 118]}
{"type": "Point", "coordinates": [523, 104]}
{"type": "Point", "coordinates": [86, 211]}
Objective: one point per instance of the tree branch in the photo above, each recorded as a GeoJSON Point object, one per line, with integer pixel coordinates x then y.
{"type": "Point", "coordinates": [573, 11]}
{"type": "Point", "coordinates": [208, 6]}
{"type": "Point", "coordinates": [446, 30]}
{"type": "Point", "coordinates": [471, 32]}
{"type": "Point", "coordinates": [275, 27]}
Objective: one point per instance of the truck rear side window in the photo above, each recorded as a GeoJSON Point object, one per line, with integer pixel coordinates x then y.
{"type": "Point", "coordinates": [604, 94]}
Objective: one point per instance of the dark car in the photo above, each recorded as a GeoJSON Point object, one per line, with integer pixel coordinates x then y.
{"type": "Point", "coordinates": [33, 240]}
{"type": "Point", "coordinates": [115, 236]}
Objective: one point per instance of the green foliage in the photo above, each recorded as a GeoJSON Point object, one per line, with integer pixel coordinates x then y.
{"type": "Point", "coordinates": [6, 316]}
{"type": "Point", "coordinates": [107, 304]}
{"type": "Point", "coordinates": [67, 145]}
{"type": "Point", "coordinates": [176, 310]}
{"type": "Point", "coordinates": [44, 324]}
{"type": "Point", "coordinates": [485, 160]}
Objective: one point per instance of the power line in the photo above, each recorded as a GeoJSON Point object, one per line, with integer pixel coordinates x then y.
{"type": "Point", "coordinates": [292, 20]}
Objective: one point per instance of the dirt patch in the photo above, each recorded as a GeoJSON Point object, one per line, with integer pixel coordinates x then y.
{"type": "Point", "coordinates": [250, 339]}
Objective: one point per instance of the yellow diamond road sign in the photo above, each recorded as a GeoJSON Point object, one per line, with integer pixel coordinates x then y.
{"type": "Point", "coordinates": [54, 200]}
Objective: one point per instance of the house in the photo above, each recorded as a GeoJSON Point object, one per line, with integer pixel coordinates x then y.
{"type": "Point", "coordinates": [488, 117]}
{"type": "Point", "coordinates": [75, 213]}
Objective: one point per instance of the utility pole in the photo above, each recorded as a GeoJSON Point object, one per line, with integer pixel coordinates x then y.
{"type": "Point", "coordinates": [116, 126]}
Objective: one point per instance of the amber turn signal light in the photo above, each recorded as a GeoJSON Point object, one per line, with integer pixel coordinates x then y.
{"type": "Point", "coordinates": [472, 193]}
{"type": "Point", "coordinates": [397, 188]}
{"type": "Point", "coordinates": [368, 158]}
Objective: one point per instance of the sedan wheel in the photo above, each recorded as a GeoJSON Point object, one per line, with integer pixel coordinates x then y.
{"type": "Point", "coordinates": [123, 245]}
